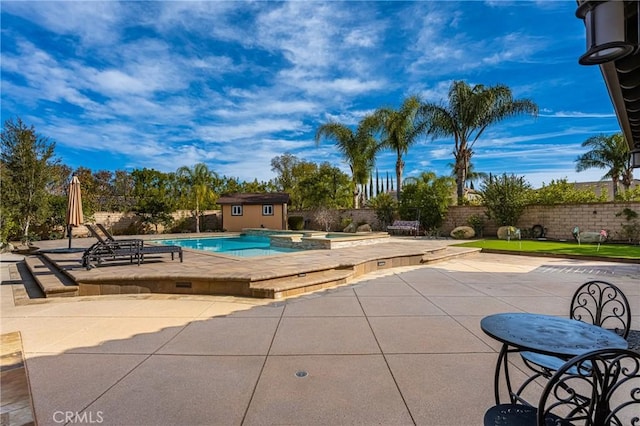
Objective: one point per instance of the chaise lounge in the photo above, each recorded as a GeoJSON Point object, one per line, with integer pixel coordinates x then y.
{"type": "Point", "coordinates": [109, 248]}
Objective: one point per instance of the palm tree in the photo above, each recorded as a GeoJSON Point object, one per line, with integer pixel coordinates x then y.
{"type": "Point", "coordinates": [472, 175]}
{"type": "Point", "coordinates": [469, 112]}
{"type": "Point", "coordinates": [199, 182]}
{"type": "Point", "coordinates": [611, 153]}
{"type": "Point", "coordinates": [359, 149]}
{"type": "Point", "coordinates": [400, 130]}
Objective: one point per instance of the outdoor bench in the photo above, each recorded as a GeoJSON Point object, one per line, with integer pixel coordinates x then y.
{"type": "Point", "coordinates": [412, 226]}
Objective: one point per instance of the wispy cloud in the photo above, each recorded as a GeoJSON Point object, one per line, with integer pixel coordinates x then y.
{"type": "Point", "coordinates": [170, 83]}
{"type": "Point", "coordinates": [575, 114]}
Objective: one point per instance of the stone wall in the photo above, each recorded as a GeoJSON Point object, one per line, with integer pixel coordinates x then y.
{"type": "Point", "coordinates": [355, 215]}
{"type": "Point", "coordinates": [557, 220]}
{"type": "Point", "coordinates": [129, 223]}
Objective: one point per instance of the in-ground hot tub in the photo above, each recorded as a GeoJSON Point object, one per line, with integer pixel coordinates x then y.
{"type": "Point", "coordinates": [317, 240]}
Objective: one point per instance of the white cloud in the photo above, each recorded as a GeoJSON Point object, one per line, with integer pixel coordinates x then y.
{"type": "Point", "coordinates": [92, 22]}
{"type": "Point", "coordinates": [574, 114]}
{"type": "Point", "coordinates": [164, 84]}
{"type": "Point", "coordinates": [252, 130]}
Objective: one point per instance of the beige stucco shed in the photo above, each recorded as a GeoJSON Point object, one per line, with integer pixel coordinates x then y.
{"type": "Point", "coordinates": [254, 210]}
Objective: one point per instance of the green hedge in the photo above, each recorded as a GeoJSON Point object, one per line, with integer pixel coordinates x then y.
{"type": "Point", "coordinates": [296, 223]}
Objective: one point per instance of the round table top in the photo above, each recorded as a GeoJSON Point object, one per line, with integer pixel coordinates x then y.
{"type": "Point", "coordinates": [550, 335]}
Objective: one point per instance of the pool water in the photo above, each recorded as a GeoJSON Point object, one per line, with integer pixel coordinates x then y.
{"type": "Point", "coordinates": [242, 246]}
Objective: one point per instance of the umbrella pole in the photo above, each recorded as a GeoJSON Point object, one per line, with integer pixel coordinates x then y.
{"type": "Point", "coordinates": [69, 234]}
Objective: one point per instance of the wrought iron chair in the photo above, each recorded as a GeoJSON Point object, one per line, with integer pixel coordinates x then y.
{"type": "Point", "coordinates": [596, 302]}
{"type": "Point", "coordinates": [598, 388]}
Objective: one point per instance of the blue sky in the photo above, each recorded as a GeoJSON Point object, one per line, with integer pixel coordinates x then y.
{"type": "Point", "coordinates": [124, 85]}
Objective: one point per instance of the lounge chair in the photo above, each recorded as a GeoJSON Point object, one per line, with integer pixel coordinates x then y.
{"type": "Point", "coordinates": [108, 235]}
{"type": "Point", "coordinates": [145, 249]}
{"type": "Point", "coordinates": [109, 248]}
{"type": "Point", "coordinates": [112, 250]}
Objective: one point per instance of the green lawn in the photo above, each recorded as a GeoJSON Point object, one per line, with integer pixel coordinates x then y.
{"type": "Point", "coordinates": [621, 251]}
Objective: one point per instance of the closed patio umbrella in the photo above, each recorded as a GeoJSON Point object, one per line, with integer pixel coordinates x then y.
{"type": "Point", "coordinates": [74, 206]}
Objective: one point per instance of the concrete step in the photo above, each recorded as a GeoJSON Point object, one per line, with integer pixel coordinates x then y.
{"type": "Point", "coordinates": [52, 281]}
{"type": "Point", "coordinates": [292, 285]}
{"type": "Point", "coordinates": [301, 283]}
{"type": "Point", "coordinates": [449, 253]}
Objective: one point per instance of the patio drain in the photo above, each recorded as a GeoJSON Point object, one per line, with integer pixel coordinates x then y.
{"type": "Point", "coordinates": [301, 374]}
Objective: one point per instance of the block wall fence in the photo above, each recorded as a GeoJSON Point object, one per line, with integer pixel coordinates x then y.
{"type": "Point", "coordinates": [122, 223]}
{"type": "Point", "coordinates": [557, 220]}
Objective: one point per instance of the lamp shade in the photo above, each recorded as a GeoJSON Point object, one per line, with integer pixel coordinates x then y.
{"type": "Point", "coordinates": [606, 31]}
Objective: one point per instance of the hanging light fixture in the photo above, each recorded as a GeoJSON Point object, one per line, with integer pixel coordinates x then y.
{"type": "Point", "coordinates": [606, 31]}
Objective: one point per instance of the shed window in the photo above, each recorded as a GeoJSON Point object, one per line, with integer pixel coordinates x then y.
{"type": "Point", "coordinates": [236, 210]}
{"type": "Point", "coordinates": [267, 210]}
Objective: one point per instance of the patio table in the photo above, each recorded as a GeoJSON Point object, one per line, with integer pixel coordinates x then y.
{"type": "Point", "coordinates": [545, 334]}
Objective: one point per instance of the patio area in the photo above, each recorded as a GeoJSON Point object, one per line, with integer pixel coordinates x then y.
{"type": "Point", "coordinates": [398, 346]}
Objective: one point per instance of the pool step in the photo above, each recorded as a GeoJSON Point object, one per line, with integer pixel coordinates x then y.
{"type": "Point", "coordinates": [300, 283]}
{"type": "Point", "coordinates": [51, 280]}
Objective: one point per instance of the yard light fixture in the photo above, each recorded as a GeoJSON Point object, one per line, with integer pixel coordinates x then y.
{"type": "Point", "coordinates": [606, 31]}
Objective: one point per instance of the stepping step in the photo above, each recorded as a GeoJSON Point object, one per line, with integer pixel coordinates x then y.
{"type": "Point", "coordinates": [301, 283]}
{"type": "Point", "coordinates": [52, 281]}
{"type": "Point", "coordinates": [449, 253]}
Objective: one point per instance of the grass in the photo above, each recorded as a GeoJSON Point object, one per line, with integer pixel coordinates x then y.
{"type": "Point", "coordinates": [564, 249]}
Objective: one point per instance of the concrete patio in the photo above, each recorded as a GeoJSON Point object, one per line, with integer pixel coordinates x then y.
{"type": "Point", "coordinates": [397, 347]}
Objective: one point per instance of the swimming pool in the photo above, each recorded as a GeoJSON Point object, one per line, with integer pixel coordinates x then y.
{"type": "Point", "coordinates": [242, 246]}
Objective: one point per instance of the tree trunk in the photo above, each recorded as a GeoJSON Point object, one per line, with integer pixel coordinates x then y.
{"type": "Point", "coordinates": [25, 236]}
{"type": "Point", "coordinates": [197, 217]}
{"type": "Point", "coordinates": [399, 168]}
{"type": "Point", "coordinates": [461, 167]}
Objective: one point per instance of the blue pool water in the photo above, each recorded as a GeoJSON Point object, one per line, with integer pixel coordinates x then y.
{"type": "Point", "coordinates": [242, 246]}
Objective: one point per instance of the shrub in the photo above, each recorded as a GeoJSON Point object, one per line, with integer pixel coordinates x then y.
{"type": "Point", "coordinates": [345, 221]}
{"type": "Point", "coordinates": [426, 197]}
{"type": "Point", "coordinates": [184, 224]}
{"type": "Point", "coordinates": [630, 194]}
{"type": "Point", "coordinates": [326, 218]}
{"type": "Point", "coordinates": [56, 235]}
{"type": "Point", "coordinates": [296, 223]}
{"type": "Point", "coordinates": [563, 192]}
{"type": "Point", "coordinates": [631, 229]}
{"type": "Point", "coordinates": [477, 222]}
{"type": "Point", "coordinates": [505, 197]}
{"type": "Point", "coordinates": [385, 206]}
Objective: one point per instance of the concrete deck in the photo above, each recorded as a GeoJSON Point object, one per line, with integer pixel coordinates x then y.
{"type": "Point", "coordinates": [204, 272]}
{"type": "Point", "coordinates": [394, 347]}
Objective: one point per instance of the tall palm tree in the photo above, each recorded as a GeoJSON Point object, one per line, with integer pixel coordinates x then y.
{"type": "Point", "coordinates": [359, 149]}
{"type": "Point", "coordinates": [610, 153]}
{"type": "Point", "coordinates": [400, 130]}
{"type": "Point", "coordinates": [199, 182]}
{"type": "Point", "coordinates": [472, 174]}
{"type": "Point", "coordinates": [469, 112]}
